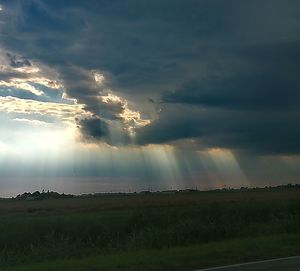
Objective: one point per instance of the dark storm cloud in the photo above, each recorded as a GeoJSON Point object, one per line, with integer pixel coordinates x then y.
{"type": "Point", "coordinates": [238, 92]}
{"type": "Point", "coordinates": [94, 128]}
{"type": "Point", "coordinates": [269, 82]}
{"type": "Point", "coordinates": [8, 75]}
{"type": "Point", "coordinates": [253, 108]}
{"type": "Point", "coordinates": [18, 61]}
{"type": "Point", "coordinates": [225, 72]}
{"type": "Point", "coordinates": [274, 132]}
{"type": "Point", "coordinates": [81, 84]}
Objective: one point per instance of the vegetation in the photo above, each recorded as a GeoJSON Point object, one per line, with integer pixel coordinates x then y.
{"type": "Point", "coordinates": [42, 195]}
{"type": "Point", "coordinates": [179, 258]}
{"type": "Point", "coordinates": [128, 232]}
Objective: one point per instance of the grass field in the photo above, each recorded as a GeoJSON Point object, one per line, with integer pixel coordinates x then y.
{"type": "Point", "coordinates": [149, 232]}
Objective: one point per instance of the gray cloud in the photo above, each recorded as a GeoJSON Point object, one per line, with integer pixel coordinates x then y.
{"type": "Point", "coordinates": [18, 61]}
{"type": "Point", "coordinates": [94, 128]}
{"type": "Point", "coordinates": [274, 132]}
{"type": "Point", "coordinates": [81, 84]}
{"type": "Point", "coordinates": [226, 72]}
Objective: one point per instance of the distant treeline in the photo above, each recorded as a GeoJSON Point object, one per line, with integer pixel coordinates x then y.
{"type": "Point", "coordinates": [265, 188]}
{"type": "Point", "coordinates": [278, 187]}
{"type": "Point", "coordinates": [42, 195]}
{"type": "Point", "coordinates": [55, 195]}
{"type": "Point", "coordinates": [196, 190]}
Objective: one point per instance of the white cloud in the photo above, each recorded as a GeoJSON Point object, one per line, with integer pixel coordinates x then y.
{"type": "Point", "coordinates": [99, 78]}
{"type": "Point", "coordinates": [132, 119]}
{"type": "Point", "coordinates": [15, 83]}
{"type": "Point", "coordinates": [18, 72]}
{"type": "Point", "coordinates": [65, 112]}
{"type": "Point", "coordinates": [31, 122]}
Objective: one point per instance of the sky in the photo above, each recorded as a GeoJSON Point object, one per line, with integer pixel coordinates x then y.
{"type": "Point", "coordinates": [108, 96]}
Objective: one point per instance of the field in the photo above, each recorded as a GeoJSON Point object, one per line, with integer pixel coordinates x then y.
{"type": "Point", "coordinates": [182, 231]}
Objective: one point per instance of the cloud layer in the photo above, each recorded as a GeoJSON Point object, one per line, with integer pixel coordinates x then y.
{"type": "Point", "coordinates": [218, 73]}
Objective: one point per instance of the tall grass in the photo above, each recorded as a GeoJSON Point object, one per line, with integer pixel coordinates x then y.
{"type": "Point", "coordinates": [35, 237]}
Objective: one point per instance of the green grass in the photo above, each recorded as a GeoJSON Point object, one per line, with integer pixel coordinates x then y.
{"type": "Point", "coordinates": [180, 258]}
{"type": "Point", "coordinates": [200, 230]}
